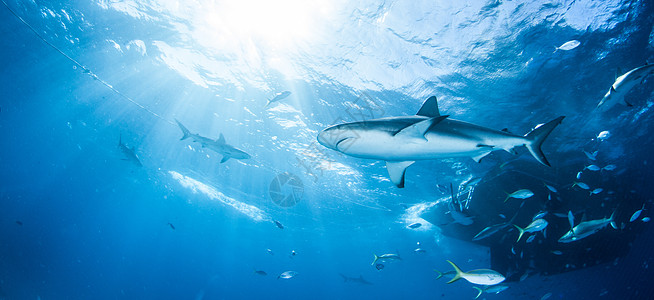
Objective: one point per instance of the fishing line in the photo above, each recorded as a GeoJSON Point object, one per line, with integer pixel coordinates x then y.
{"type": "Point", "coordinates": [94, 76]}
{"type": "Point", "coordinates": [84, 68]}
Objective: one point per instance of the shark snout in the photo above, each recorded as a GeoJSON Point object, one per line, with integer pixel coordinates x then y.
{"type": "Point", "coordinates": [333, 136]}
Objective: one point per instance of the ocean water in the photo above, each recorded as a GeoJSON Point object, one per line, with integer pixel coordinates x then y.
{"type": "Point", "coordinates": [164, 218]}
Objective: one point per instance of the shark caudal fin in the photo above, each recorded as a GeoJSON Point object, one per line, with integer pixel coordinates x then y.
{"type": "Point", "coordinates": [537, 136]}
{"type": "Point", "coordinates": [375, 260]}
{"type": "Point", "coordinates": [187, 133]}
{"type": "Point", "coordinates": [522, 231]}
{"type": "Point", "coordinates": [612, 221]}
{"type": "Point", "coordinates": [458, 274]}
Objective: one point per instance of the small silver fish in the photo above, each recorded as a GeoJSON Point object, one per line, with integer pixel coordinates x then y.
{"type": "Point", "coordinates": [579, 175]}
{"type": "Point", "coordinates": [524, 276]}
{"type": "Point", "coordinates": [531, 238]}
{"type": "Point", "coordinates": [519, 194]}
{"type": "Point", "coordinates": [287, 275]}
{"type": "Point", "coordinates": [569, 45]}
{"type": "Point", "coordinates": [593, 168]}
{"type": "Point", "coordinates": [609, 167]}
{"type": "Point", "coordinates": [581, 185]}
{"type": "Point", "coordinates": [556, 252]}
{"type": "Point", "coordinates": [596, 191]}
{"type": "Point", "coordinates": [592, 155]}
{"type": "Point", "coordinates": [636, 214]}
{"type": "Point", "coordinates": [551, 188]}
{"type": "Point", "coordinates": [645, 219]}
{"type": "Point", "coordinates": [603, 135]}
{"type": "Point", "coordinates": [539, 215]}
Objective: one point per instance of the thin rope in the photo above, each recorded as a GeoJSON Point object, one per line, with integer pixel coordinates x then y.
{"type": "Point", "coordinates": [84, 68]}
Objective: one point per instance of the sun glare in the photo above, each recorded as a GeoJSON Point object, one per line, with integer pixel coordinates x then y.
{"type": "Point", "coordinates": [278, 23]}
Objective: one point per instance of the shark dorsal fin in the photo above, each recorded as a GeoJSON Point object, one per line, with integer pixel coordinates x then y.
{"type": "Point", "coordinates": [418, 130]}
{"type": "Point", "coordinates": [429, 108]}
{"type": "Point", "coordinates": [221, 139]}
{"type": "Point", "coordinates": [396, 170]}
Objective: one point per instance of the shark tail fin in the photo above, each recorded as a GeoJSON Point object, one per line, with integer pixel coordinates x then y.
{"type": "Point", "coordinates": [537, 136]}
{"type": "Point", "coordinates": [344, 277]}
{"type": "Point", "coordinates": [186, 132]}
{"type": "Point", "coordinates": [375, 260]}
{"type": "Point", "coordinates": [522, 231]}
{"type": "Point", "coordinates": [480, 291]}
{"type": "Point", "coordinates": [458, 271]}
{"type": "Point", "coordinates": [612, 219]}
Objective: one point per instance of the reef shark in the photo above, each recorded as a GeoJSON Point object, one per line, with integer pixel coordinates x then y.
{"type": "Point", "coordinates": [586, 228]}
{"type": "Point", "coordinates": [219, 145]}
{"type": "Point", "coordinates": [400, 141]}
{"type": "Point", "coordinates": [358, 280]}
{"type": "Point", "coordinates": [622, 85]}
{"type": "Point", "coordinates": [130, 154]}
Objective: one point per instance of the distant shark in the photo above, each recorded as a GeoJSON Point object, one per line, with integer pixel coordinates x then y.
{"type": "Point", "coordinates": [586, 228]}
{"type": "Point", "coordinates": [400, 141]}
{"type": "Point", "coordinates": [278, 96]}
{"type": "Point", "coordinates": [129, 153]}
{"type": "Point", "coordinates": [358, 280]}
{"type": "Point", "coordinates": [622, 85]}
{"type": "Point", "coordinates": [219, 145]}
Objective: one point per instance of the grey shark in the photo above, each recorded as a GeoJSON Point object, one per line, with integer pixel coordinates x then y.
{"type": "Point", "coordinates": [130, 154]}
{"type": "Point", "coordinates": [586, 228]}
{"type": "Point", "coordinates": [400, 141]}
{"type": "Point", "coordinates": [622, 85]}
{"type": "Point", "coordinates": [278, 96]}
{"type": "Point", "coordinates": [358, 280]}
{"type": "Point", "coordinates": [219, 145]}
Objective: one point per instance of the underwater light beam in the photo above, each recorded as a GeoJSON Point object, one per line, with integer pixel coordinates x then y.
{"type": "Point", "coordinates": [251, 211]}
{"type": "Point", "coordinates": [81, 66]}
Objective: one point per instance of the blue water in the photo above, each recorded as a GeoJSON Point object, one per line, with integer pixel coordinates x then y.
{"type": "Point", "coordinates": [79, 221]}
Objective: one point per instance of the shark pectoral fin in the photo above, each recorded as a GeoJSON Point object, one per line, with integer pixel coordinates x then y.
{"type": "Point", "coordinates": [624, 101]}
{"type": "Point", "coordinates": [225, 158]}
{"type": "Point", "coordinates": [396, 170]}
{"type": "Point", "coordinates": [221, 139]}
{"type": "Point", "coordinates": [418, 130]}
{"type": "Point", "coordinates": [429, 108]}
{"type": "Point", "coordinates": [478, 157]}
